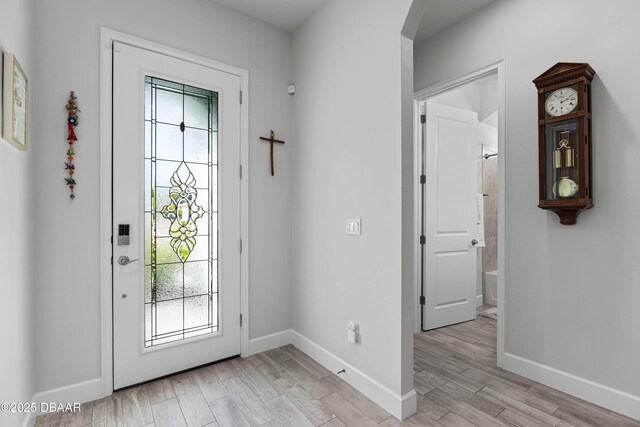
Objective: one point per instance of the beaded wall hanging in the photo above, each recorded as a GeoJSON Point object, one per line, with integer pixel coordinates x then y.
{"type": "Point", "coordinates": [72, 121]}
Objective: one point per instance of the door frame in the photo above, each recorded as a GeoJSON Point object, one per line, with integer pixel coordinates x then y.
{"type": "Point", "coordinates": [107, 37]}
{"type": "Point", "coordinates": [423, 95]}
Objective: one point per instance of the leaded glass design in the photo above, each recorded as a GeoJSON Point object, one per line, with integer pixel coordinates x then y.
{"type": "Point", "coordinates": [181, 239]}
{"type": "Point", "coordinates": [183, 212]}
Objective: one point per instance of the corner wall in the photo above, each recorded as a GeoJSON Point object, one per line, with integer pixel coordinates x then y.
{"type": "Point", "coordinates": [347, 127]}
{"type": "Point", "coordinates": [17, 309]}
{"type": "Point", "coordinates": [68, 43]}
{"type": "Point", "coordinates": [572, 292]}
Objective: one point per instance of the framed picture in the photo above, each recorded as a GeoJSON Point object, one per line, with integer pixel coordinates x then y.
{"type": "Point", "coordinates": [14, 103]}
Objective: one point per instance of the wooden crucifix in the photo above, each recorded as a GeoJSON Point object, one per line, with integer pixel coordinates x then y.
{"type": "Point", "coordinates": [272, 139]}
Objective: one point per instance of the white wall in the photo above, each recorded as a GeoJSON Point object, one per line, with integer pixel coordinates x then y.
{"type": "Point", "coordinates": [489, 133]}
{"type": "Point", "coordinates": [572, 292]}
{"type": "Point", "coordinates": [68, 31]}
{"type": "Point", "coordinates": [348, 163]}
{"type": "Point", "coordinates": [17, 309]}
{"type": "Point", "coordinates": [480, 96]}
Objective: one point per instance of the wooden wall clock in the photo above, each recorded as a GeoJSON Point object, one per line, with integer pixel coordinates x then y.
{"type": "Point", "coordinates": [564, 151]}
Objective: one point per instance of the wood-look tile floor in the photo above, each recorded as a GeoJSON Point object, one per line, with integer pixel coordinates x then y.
{"type": "Point", "coordinates": [455, 377]}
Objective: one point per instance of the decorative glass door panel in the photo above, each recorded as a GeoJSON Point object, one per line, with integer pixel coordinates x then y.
{"type": "Point", "coordinates": [181, 228]}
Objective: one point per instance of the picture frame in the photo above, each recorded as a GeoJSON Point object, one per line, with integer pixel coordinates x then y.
{"type": "Point", "coordinates": [15, 103]}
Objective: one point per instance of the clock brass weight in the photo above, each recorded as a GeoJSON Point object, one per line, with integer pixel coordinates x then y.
{"type": "Point", "coordinates": [564, 149]}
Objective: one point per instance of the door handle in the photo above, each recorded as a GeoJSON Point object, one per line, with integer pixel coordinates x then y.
{"type": "Point", "coordinates": [474, 242]}
{"type": "Point", "coordinates": [124, 260]}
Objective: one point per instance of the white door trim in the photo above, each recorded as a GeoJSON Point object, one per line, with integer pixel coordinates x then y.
{"type": "Point", "coordinates": [423, 95]}
{"type": "Point", "coordinates": [107, 37]}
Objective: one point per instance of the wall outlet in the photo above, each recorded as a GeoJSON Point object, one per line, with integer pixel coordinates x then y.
{"type": "Point", "coordinates": [353, 226]}
{"type": "Point", "coordinates": [352, 333]}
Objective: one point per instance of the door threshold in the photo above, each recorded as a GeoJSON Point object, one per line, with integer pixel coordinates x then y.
{"type": "Point", "coordinates": [226, 359]}
{"type": "Point", "coordinates": [446, 326]}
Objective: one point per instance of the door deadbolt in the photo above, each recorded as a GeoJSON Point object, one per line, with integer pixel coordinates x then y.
{"type": "Point", "coordinates": [123, 234]}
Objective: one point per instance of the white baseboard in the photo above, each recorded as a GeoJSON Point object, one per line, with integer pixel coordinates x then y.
{"type": "Point", "coordinates": [400, 407]}
{"type": "Point", "coordinates": [409, 405]}
{"type": "Point", "coordinates": [29, 419]}
{"type": "Point", "coordinates": [599, 394]}
{"type": "Point", "coordinates": [271, 341]}
{"type": "Point", "coordinates": [82, 392]}
{"type": "Point", "coordinates": [479, 300]}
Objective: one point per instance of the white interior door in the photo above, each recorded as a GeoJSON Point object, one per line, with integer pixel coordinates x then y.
{"type": "Point", "coordinates": [176, 193]}
{"type": "Point", "coordinates": [451, 214]}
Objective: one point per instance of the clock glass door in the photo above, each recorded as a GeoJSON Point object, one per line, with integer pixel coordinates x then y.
{"type": "Point", "coordinates": [562, 151]}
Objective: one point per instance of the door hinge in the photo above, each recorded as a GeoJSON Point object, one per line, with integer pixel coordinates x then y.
{"type": "Point", "coordinates": [111, 260]}
{"type": "Point", "coordinates": [240, 97]}
{"type": "Point", "coordinates": [240, 245]}
{"type": "Point", "coordinates": [240, 320]}
{"type": "Point", "coordinates": [423, 240]}
{"type": "Point", "coordinates": [423, 118]}
{"type": "Point", "coordinates": [423, 179]}
{"type": "Point", "coordinates": [240, 171]}
{"type": "Point", "coordinates": [423, 300]}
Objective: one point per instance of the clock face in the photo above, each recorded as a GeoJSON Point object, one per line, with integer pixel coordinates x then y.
{"type": "Point", "coordinates": [561, 102]}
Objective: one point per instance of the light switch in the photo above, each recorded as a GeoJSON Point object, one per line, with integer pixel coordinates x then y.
{"type": "Point", "coordinates": [353, 226]}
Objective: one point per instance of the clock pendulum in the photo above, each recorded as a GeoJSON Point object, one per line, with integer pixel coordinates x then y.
{"type": "Point", "coordinates": [563, 157]}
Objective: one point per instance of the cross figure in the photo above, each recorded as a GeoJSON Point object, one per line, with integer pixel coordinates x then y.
{"type": "Point", "coordinates": [271, 140]}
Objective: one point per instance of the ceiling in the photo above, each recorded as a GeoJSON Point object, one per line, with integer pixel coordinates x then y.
{"type": "Point", "coordinates": [285, 14]}
{"type": "Point", "coordinates": [440, 14]}
{"type": "Point", "coordinates": [290, 14]}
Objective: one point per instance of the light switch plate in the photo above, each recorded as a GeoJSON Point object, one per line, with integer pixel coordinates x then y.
{"type": "Point", "coordinates": [353, 226]}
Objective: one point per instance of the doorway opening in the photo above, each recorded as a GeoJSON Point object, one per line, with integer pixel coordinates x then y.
{"type": "Point", "coordinates": [459, 159]}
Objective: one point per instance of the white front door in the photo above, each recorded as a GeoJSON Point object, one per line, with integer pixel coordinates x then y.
{"type": "Point", "coordinates": [451, 158]}
{"type": "Point", "coordinates": [176, 194]}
